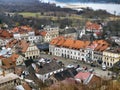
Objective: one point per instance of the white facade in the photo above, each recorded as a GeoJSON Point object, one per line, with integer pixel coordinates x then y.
{"type": "Point", "coordinates": [68, 53]}
{"type": "Point", "coordinates": [4, 41]}
{"type": "Point", "coordinates": [30, 36]}
{"type": "Point", "coordinates": [97, 55]}
{"type": "Point", "coordinates": [46, 76]}
{"type": "Point", "coordinates": [20, 60]}
{"type": "Point", "coordinates": [52, 32]}
{"type": "Point", "coordinates": [32, 51]}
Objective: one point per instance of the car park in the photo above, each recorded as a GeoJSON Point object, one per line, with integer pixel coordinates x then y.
{"type": "Point", "coordinates": [70, 66]}
{"type": "Point", "coordinates": [91, 70]}
{"type": "Point", "coordinates": [92, 65]}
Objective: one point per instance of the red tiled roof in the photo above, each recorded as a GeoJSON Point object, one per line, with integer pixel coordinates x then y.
{"type": "Point", "coordinates": [61, 41]}
{"type": "Point", "coordinates": [21, 29]}
{"type": "Point", "coordinates": [43, 33]}
{"type": "Point", "coordinates": [14, 57]}
{"type": "Point", "coordinates": [82, 75]}
{"type": "Point", "coordinates": [68, 43]}
{"type": "Point", "coordinates": [7, 63]}
{"type": "Point", "coordinates": [97, 45]}
{"type": "Point", "coordinates": [102, 45]}
{"type": "Point", "coordinates": [23, 45]}
{"type": "Point", "coordinates": [11, 43]}
{"type": "Point", "coordinates": [92, 26]}
{"type": "Point", "coordinates": [78, 44]}
{"type": "Point", "coordinates": [5, 34]}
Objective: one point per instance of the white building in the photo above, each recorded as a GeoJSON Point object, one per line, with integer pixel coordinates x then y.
{"type": "Point", "coordinates": [44, 69]}
{"type": "Point", "coordinates": [49, 33]}
{"type": "Point", "coordinates": [77, 49]}
{"type": "Point", "coordinates": [26, 33]}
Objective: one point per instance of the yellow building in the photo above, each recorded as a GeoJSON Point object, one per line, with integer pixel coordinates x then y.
{"type": "Point", "coordinates": [110, 57]}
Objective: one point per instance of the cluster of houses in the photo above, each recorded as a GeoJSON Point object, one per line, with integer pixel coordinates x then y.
{"type": "Point", "coordinates": [95, 51]}
{"type": "Point", "coordinates": [20, 50]}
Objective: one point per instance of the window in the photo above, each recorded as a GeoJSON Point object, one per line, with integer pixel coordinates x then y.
{"type": "Point", "coordinates": [74, 53]}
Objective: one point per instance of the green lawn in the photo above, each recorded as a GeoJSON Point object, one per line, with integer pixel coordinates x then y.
{"type": "Point", "coordinates": [29, 14]}
{"type": "Point", "coordinates": [38, 15]}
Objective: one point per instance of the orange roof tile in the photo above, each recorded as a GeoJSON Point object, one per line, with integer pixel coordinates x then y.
{"type": "Point", "coordinates": [11, 43]}
{"type": "Point", "coordinates": [68, 43]}
{"type": "Point", "coordinates": [54, 41]}
{"type": "Point", "coordinates": [61, 41]}
{"type": "Point", "coordinates": [5, 34]}
{"type": "Point", "coordinates": [14, 57]}
{"type": "Point", "coordinates": [21, 29]}
{"type": "Point", "coordinates": [23, 45]}
{"type": "Point", "coordinates": [7, 63]}
{"type": "Point", "coordinates": [83, 75]}
{"type": "Point", "coordinates": [101, 45]}
{"type": "Point", "coordinates": [78, 44]}
{"type": "Point", "coordinates": [43, 33]}
{"type": "Point", "coordinates": [93, 26]}
{"type": "Point", "coordinates": [97, 45]}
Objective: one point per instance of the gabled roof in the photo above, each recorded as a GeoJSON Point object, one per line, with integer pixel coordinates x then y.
{"type": "Point", "coordinates": [14, 57]}
{"type": "Point", "coordinates": [92, 26]}
{"type": "Point", "coordinates": [82, 75]}
{"type": "Point", "coordinates": [61, 41]}
{"type": "Point", "coordinates": [68, 73]}
{"type": "Point", "coordinates": [8, 77]}
{"type": "Point", "coordinates": [57, 40]}
{"type": "Point", "coordinates": [43, 33]}
{"type": "Point", "coordinates": [49, 67]}
{"type": "Point", "coordinates": [11, 43]}
{"type": "Point", "coordinates": [101, 45]}
{"type": "Point", "coordinates": [69, 43]}
{"type": "Point", "coordinates": [5, 34]}
{"type": "Point", "coordinates": [68, 31]}
{"type": "Point", "coordinates": [23, 45]}
{"type": "Point", "coordinates": [21, 29]}
{"type": "Point", "coordinates": [8, 63]}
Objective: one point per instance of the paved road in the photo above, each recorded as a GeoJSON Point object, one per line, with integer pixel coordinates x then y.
{"type": "Point", "coordinates": [97, 70]}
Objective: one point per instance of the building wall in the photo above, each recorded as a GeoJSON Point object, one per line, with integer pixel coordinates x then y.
{"type": "Point", "coordinates": [110, 58]}
{"type": "Point", "coordinates": [51, 33]}
{"type": "Point", "coordinates": [9, 84]}
{"type": "Point", "coordinates": [47, 75]}
{"type": "Point", "coordinates": [71, 35]}
{"type": "Point", "coordinates": [97, 55]}
{"type": "Point", "coordinates": [32, 52]}
{"type": "Point", "coordinates": [68, 53]}
{"type": "Point", "coordinates": [20, 60]}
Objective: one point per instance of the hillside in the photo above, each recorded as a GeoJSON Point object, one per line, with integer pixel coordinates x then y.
{"type": "Point", "coordinates": [30, 6]}
{"type": "Point", "coordinates": [86, 1]}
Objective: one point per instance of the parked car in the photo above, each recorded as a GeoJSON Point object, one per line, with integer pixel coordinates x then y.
{"type": "Point", "coordinates": [92, 65]}
{"type": "Point", "coordinates": [70, 66]}
{"type": "Point", "coordinates": [91, 70]}
{"type": "Point", "coordinates": [79, 69]}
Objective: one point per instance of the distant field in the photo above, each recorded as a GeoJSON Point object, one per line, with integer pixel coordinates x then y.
{"type": "Point", "coordinates": [73, 17]}
{"type": "Point", "coordinates": [38, 15]}
{"type": "Point", "coordinates": [29, 14]}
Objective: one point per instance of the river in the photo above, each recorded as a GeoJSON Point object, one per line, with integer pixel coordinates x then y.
{"type": "Point", "coordinates": [109, 7]}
